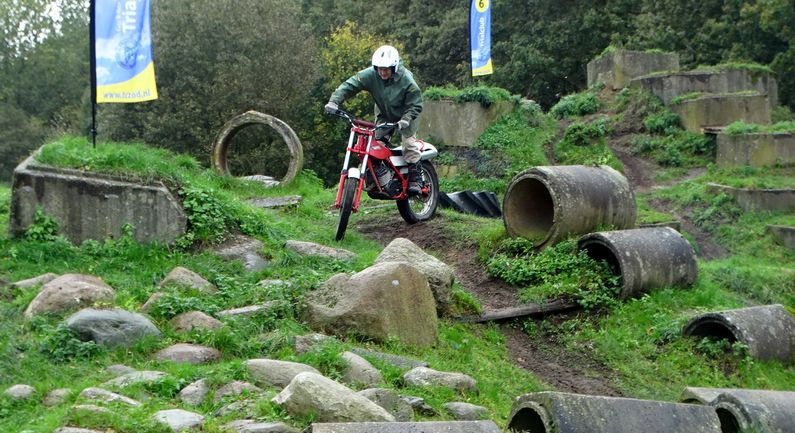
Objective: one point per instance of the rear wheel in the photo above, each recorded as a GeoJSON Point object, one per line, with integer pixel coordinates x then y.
{"type": "Point", "coordinates": [346, 206]}
{"type": "Point", "coordinates": [422, 207]}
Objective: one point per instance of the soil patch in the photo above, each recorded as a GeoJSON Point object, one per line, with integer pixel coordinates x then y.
{"type": "Point", "coordinates": [563, 370]}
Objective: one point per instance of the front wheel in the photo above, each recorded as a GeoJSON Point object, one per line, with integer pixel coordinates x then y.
{"type": "Point", "coordinates": [422, 207]}
{"type": "Point", "coordinates": [346, 206]}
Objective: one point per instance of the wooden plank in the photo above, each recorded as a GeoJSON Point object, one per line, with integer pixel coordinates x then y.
{"type": "Point", "coordinates": [525, 310]}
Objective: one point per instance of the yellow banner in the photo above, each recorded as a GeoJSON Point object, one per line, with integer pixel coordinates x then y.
{"type": "Point", "coordinates": [139, 88]}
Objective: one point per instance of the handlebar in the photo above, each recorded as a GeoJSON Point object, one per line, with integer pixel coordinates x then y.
{"type": "Point", "coordinates": [362, 123]}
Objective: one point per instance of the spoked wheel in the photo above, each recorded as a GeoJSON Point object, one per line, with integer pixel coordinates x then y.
{"type": "Point", "coordinates": [346, 206]}
{"type": "Point", "coordinates": [422, 207]}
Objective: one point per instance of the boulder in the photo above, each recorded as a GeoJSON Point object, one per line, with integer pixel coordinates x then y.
{"type": "Point", "coordinates": [234, 389]}
{"type": "Point", "coordinates": [272, 372]}
{"type": "Point", "coordinates": [74, 430]}
{"type": "Point", "coordinates": [189, 354]}
{"type": "Point", "coordinates": [194, 394]}
{"type": "Point", "coordinates": [185, 278]}
{"type": "Point", "coordinates": [439, 274]}
{"type": "Point", "coordinates": [56, 397]}
{"type": "Point", "coordinates": [103, 395]}
{"type": "Point", "coordinates": [245, 249]}
{"type": "Point", "coordinates": [20, 392]}
{"type": "Point", "coordinates": [383, 301]}
{"type": "Point", "coordinates": [35, 281]}
{"type": "Point", "coordinates": [67, 292]}
{"type": "Point", "coordinates": [191, 320]}
{"type": "Point", "coordinates": [311, 393]}
{"type": "Point", "coordinates": [250, 310]}
{"type": "Point", "coordinates": [391, 401]}
{"type": "Point", "coordinates": [465, 411]}
{"type": "Point", "coordinates": [251, 426]}
{"type": "Point", "coordinates": [306, 343]}
{"type": "Point", "coordinates": [398, 361]}
{"type": "Point", "coordinates": [135, 377]}
{"type": "Point", "coordinates": [118, 370]}
{"type": "Point", "coordinates": [359, 372]}
{"type": "Point", "coordinates": [423, 377]}
{"type": "Point", "coordinates": [316, 250]}
{"type": "Point", "coordinates": [178, 419]}
{"type": "Point", "coordinates": [111, 328]}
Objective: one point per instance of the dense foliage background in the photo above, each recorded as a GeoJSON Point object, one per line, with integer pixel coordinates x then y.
{"type": "Point", "coordinates": [217, 59]}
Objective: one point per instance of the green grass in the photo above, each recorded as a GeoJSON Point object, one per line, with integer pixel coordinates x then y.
{"type": "Point", "coordinates": [753, 177]}
{"type": "Point", "coordinates": [485, 95]}
{"type": "Point", "coordinates": [739, 127]}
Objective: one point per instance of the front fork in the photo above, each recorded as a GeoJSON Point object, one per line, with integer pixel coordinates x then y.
{"type": "Point", "coordinates": [345, 170]}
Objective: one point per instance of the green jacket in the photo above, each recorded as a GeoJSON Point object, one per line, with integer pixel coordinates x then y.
{"type": "Point", "coordinates": [397, 98]}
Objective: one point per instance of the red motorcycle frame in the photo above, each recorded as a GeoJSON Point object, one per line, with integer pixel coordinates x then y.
{"type": "Point", "coordinates": [383, 174]}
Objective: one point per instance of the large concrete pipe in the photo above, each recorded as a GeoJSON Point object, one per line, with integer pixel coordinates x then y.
{"type": "Point", "coordinates": [557, 412]}
{"type": "Point", "coordinates": [228, 131]}
{"type": "Point", "coordinates": [767, 330]}
{"type": "Point", "coordinates": [408, 427]}
{"type": "Point", "coordinates": [646, 259]}
{"type": "Point", "coordinates": [547, 204]}
{"type": "Point", "coordinates": [745, 410]}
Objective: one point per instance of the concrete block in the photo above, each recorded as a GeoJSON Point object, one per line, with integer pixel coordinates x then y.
{"type": "Point", "coordinates": [458, 124]}
{"type": "Point", "coordinates": [618, 68]}
{"type": "Point", "coordinates": [90, 205]}
{"type": "Point", "coordinates": [752, 200]}
{"type": "Point", "coordinates": [783, 235]}
{"type": "Point", "coordinates": [408, 427]}
{"type": "Point", "coordinates": [756, 150]}
{"type": "Point", "coordinates": [721, 110]}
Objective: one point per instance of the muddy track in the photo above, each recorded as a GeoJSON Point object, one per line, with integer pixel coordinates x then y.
{"type": "Point", "coordinates": [560, 369]}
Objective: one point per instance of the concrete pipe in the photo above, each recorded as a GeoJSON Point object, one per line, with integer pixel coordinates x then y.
{"type": "Point", "coordinates": [767, 330]}
{"type": "Point", "coordinates": [557, 412]}
{"type": "Point", "coordinates": [742, 410]}
{"type": "Point", "coordinates": [547, 204]}
{"type": "Point", "coordinates": [228, 131]}
{"type": "Point", "coordinates": [646, 259]}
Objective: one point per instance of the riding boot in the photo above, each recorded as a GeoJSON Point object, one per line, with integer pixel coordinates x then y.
{"type": "Point", "coordinates": [415, 180]}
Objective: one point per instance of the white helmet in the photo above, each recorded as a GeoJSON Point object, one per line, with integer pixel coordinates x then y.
{"type": "Point", "coordinates": [386, 56]}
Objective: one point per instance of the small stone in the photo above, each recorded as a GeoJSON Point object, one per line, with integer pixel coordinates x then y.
{"type": "Point", "coordinates": [20, 392]}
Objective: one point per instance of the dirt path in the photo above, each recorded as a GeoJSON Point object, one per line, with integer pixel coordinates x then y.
{"type": "Point", "coordinates": [562, 370]}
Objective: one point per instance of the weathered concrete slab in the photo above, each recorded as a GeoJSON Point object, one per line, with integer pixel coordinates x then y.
{"type": "Point", "coordinates": [721, 110]}
{"type": "Point", "coordinates": [458, 124]}
{"type": "Point", "coordinates": [272, 202]}
{"type": "Point", "coordinates": [783, 235]}
{"type": "Point", "coordinates": [751, 200]}
{"type": "Point", "coordinates": [90, 205]}
{"type": "Point", "coordinates": [618, 68]}
{"type": "Point", "coordinates": [408, 427]}
{"type": "Point", "coordinates": [724, 80]}
{"type": "Point", "coordinates": [767, 330]}
{"type": "Point", "coordinates": [697, 395]}
{"type": "Point", "coordinates": [756, 150]}
{"type": "Point", "coordinates": [558, 412]}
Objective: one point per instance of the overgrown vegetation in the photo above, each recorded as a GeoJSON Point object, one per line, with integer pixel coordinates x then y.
{"type": "Point", "coordinates": [578, 104]}
{"type": "Point", "coordinates": [739, 127]}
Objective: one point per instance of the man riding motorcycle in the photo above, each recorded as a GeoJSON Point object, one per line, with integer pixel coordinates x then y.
{"type": "Point", "coordinates": [397, 99]}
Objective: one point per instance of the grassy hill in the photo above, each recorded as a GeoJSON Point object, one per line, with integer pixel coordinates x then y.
{"type": "Point", "coordinates": [634, 348]}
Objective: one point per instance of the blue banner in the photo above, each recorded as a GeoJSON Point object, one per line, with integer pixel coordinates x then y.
{"type": "Point", "coordinates": [480, 37]}
{"type": "Point", "coordinates": [123, 51]}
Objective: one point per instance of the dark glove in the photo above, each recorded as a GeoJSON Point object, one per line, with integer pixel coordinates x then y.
{"type": "Point", "coordinates": [331, 107]}
{"type": "Point", "coordinates": [403, 124]}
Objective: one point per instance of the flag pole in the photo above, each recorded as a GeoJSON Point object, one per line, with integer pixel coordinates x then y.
{"type": "Point", "coordinates": [92, 52]}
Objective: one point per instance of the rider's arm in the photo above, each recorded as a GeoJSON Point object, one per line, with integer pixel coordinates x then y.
{"type": "Point", "coordinates": [413, 102]}
{"type": "Point", "coordinates": [350, 87]}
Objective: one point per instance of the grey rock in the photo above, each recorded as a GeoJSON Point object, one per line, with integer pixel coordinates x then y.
{"type": "Point", "coordinates": [316, 250]}
{"type": "Point", "coordinates": [250, 310]}
{"type": "Point", "coordinates": [103, 395]}
{"type": "Point", "coordinates": [56, 397]}
{"type": "Point", "coordinates": [91, 408]}
{"type": "Point", "coordinates": [359, 372]}
{"type": "Point", "coordinates": [35, 281]}
{"type": "Point", "coordinates": [408, 427]}
{"type": "Point", "coordinates": [67, 292]}
{"type": "Point", "coordinates": [305, 343]}
{"type": "Point", "coordinates": [234, 389]}
{"type": "Point", "coordinates": [391, 401]}
{"type": "Point", "coordinates": [274, 283]}
{"type": "Point", "coordinates": [119, 369]}
{"type": "Point", "coordinates": [189, 354]}
{"type": "Point", "coordinates": [246, 249]}
{"type": "Point", "coordinates": [194, 394]}
{"type": "Point", "coordinates": [151, 302]}
{"type": "Point", "coordinates": [240, 408]}
{"type": "Point", "coordinates": [178, 419]}
{"type": "Point", "coordinates": [191, 320]}
{"type": "Point", "coordinates": [465, 411]}
{"type": "Point", "coordinates": [20, 392]}
{"type": "Point", "coordinates": [419, 405]}
{"type": "Point", "coordinates": [249, 426]}
{"type": "Point", "coordinates": [111, 328]}
{"type": "Point", "coordinates": [381, 302]}
{"type": "Point", "coordinates": [272, 202]}
{"type": "Point", "coordinates": [74, 430]}
{"type": "Point", "coordinates": [185, 278]}
{"type": "Point", "coordinates": [394, 360]}
{"type": "Point", "coordinates": [439, 274]}
{"type": "Point", "coordinates": [311, 393]}
{"type": "Point", "coordinates": [424, 377]}
{"type": "Point", "coordinates": [266, 181]}
{"type": "Point", "coordinates": [135, 377]}
{"type": "Point", "coordinates": [273, 372]}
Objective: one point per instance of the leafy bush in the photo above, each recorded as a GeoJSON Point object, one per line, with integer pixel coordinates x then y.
{"type": "Point", "coordinates": [44, 228]}
{"type": "Point", "coordinates": [578, 104]}
{"type": "Point", "coordinates": [676, 149]}
{"type": "Point", "coordinates": [661, 122]}
{"type": "Point", "coordinates": [559, 271]}
{"type": "Point", "coordinates": [739, 127]}
{"type": "Point", "coordinates": [483, 94]}
{"type": "Point", "coordinates": [721, 210]}
{"type": "Point", "coordinates": [581, 134]}
{"type": "Point", "coordinates": [62, 345]}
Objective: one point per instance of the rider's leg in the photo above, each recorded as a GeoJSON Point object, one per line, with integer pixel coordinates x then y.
{"type": "Point", "coordinates": [411, 153]}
